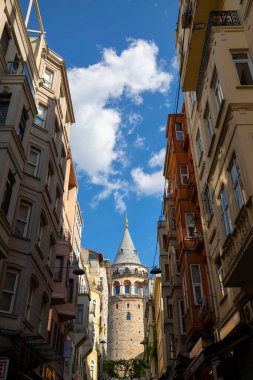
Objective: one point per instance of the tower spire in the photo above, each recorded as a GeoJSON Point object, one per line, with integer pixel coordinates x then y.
{"type": "Point", "coordinates": [126, 222]}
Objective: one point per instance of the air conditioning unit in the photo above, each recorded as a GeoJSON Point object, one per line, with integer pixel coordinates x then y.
{"type": "Point", "coordinates": [248, 311]}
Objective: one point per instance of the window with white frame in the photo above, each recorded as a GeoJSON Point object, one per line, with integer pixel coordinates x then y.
{"type": "Point", "coordinates": [179, 131]}
{"type": "Point", "coordinates": [218, 95]}
{"type": "Point", "coordinates": [48, 78]}
{"type": "Point", "coordinates": [196, 284]}
{"type": "Point", "coordinates": [33, 162]}
{"type": "Point", "coordinates": [185, 291]}
{"type": "Point", "coordinates": [9, 290]}
{"type": "Point", "coordinates": [243, 67]}
{"type": "Point", "coordinates": [22, 220]}
{"type": "Point", "coordinates": [181, 316]}
{"type": "Point", "coordinates": [199, 147]}
{"type": "Point", "coordinates": [40, 119]}
{"type": "Point", "coordinates": [237, 184]}
{"type": "Point", "coordinates": [208, 123]}
{"type": "Point", "coordinates": [208, 207]}
{"type": "Point", "coordinates": [225, 212]}
{"type": "Point", "coordinates": [190, 223]}
{"type": "Point", "coordinates": [184, 175]}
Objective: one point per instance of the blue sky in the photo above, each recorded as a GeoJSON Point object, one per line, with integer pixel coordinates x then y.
{"type": "Point", "coordinates": [120, 56]}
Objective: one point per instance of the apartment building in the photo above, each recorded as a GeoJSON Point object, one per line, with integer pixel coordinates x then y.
{"type": "Point", "coordinates": [39, 213]}
{"type": "Point", "coordinates": [98, 274]}
{"type": "Point", "coordinates": [196, 305]}
{"type": "Point", "coordinates": [214, 44]}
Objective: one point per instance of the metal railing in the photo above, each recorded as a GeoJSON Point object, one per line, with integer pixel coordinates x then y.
{"type": "Point", "coordinates": [83, 289]}
{"type": "Point", "coordinates": [21, 68]}
{"type": "Point", "coordinates": [129, 271]}
{"type": "Point", "coordinates": [216, 18]}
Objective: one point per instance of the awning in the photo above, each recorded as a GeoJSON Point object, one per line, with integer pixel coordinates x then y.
{"type": "Point", "coordinates": [218, 349]}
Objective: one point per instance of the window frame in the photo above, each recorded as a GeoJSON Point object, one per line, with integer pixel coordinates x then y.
{"type": "Point", "coordinates": [26, 221]}
{"type": "Point", "coordinates": [209, 123]}
{"type": "Point", "coordinates": [242, 61]}
{"type": "Point", "coordinates": [48, 83]}
{"type": "Point", "coordinates": [217, 90]}
{"type": "Point", "coordinates": [179, 132]}
{"type": "Point", "coordinates": [5, 100]}
{"type": "Point", "coordinates": [190, 225]}
{"type": "Point", "coordinates": [184, 175]}
{"type": "Point", "coordinates": [196, 284]}
{"type": "Point", "coordinates": [12, 292]}
{"type": "Point", "coordinates": [30, 164]}
{"type": "Point", "coordinates": [237, 183]}
{"type": "Point", "coordinates": [207, 201]}
{"type": "Point", "coordinates": [39, 117]}
{"type": "Point", "coordinates": [225, 212]}
{"type": "Point", "coordinates": [199, 145]}
{"type": "Point", "coordinates": [181, 315]}
{"type": "Point", "coordinates": [6, 200]}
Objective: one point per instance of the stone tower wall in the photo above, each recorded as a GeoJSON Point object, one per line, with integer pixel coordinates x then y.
{"type": "Point", "coordinates": [125, 336]}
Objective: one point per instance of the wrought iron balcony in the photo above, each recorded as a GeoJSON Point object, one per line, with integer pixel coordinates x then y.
{"type": "Point", "coordinates": [216, 18]}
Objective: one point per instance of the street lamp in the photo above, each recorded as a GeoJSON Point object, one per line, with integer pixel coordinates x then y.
{"type": "Point", "coordinates": [155, 270]}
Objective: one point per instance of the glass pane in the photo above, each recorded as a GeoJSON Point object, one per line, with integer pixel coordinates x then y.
{"type": "Point", "coordinates": [244, 73]}
{"type": "Point", "coordinates": [9, 283]}
{"type": "Point", "coordinates": [39, 121]}
{"type": "Point", "coordinates": [48, 76]}
{"type": "Point", "coordinates": [183, 169]}
{"type": "Point", "coordinates": [239, 55]}
{"type": "Point", "coordinates": [42, 112]}
{"type": "Point", "coordinates": [5, 301]}
{"type": "Point", "coordinates": [198, 294]}
{"type": "Point", "coordinates": [20, 228]}
{"type": "Point", "coordinates": [195, 274]}
{"type": "Point", "coordinates": [23, 212]}
{"type": "Point", "coordinates": [33, 157]}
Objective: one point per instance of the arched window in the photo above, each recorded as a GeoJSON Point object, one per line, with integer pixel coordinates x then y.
{"type": "Point", "coordinates": [136, 287]}
{"type": "Point", "coordinates": [116, 287]}
{"type": "Point", "coordinates": [128, 316]}
{"type": "Point", "coordinates": [127, 270]}
{"type": "Point", "coordinates": [139, 306]}
{"type": "Point", "coordinates": [128, 305]}
{"type": "Point", "coordinates": [127, 285]}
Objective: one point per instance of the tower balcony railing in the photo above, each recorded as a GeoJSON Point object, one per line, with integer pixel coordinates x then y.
{"type": "Point", "coordinates": [129, 272]}
{"type": "Point", "coordinates": [216, 18]}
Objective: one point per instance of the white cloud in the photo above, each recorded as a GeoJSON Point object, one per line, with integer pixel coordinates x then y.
{"type": "Point", "coordinates": [96, 139]}
{"type": "Point", "coordinates": [139, 142]}
{"type": "Point", "coordinates": [157, 159]}
{"type": "Point", "coordinates": [162, 128]}
{"type": "Point", "coordinates": [174, 63]}
{"type": "Point", "coordinates": [148, 184]}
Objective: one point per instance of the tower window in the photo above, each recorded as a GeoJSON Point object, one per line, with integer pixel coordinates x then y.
{"type": "Point", "coordinates": [128, 316]}
{"type": "Point", "coordinates": [128, 305]}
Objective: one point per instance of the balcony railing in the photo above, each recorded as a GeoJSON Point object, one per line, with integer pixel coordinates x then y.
{"type": "Point", "coordinates": [129, 271]}
{"type": "Point", "coordinates": [20, 68]}
{"type": "Point", "coordinates": [83, 290]}
{"type": "Point", "coordinates": [216, 18]}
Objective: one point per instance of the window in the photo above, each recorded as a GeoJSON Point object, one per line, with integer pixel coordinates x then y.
{"type": "Point", "coordinates": [128, 316]}
{"type": "Point", "coordinates": [70, 290]}
{"type": "Point", "coordinates": [41, 230]}
{"type": "Point", "coordinates": [50, 174]}
{"type": "Point", "coordinates": [55, 133]}
{"type": "Point", "coordinates": [179, 132]}
{"type": "Point", "coordinates": [208, 123]}
{"type": "Point", "coordinates": [7, 193]}
{"type": "Point", "coordinates": [173, 221]}
{"type": "Point", "coordinates": [9, 290]}
{"type": "Point", "coordinates": [184, 175]}
{"type": "Point", "coordinates": [5, 39]}
{"type": "Point", "coordinates": [177, 261]}
{"type": "Point", "coordinates": [127, 289]}
{"type": "Point", "coordinates": [192, 99]}
{"type": "Point", "coordinates": [48, 78]}
{"type": "Point", "coordinates": [4, 106]}
{"type": "Point", "coordinates": [190, 224]}
{"type": "Point", "coordinates": [92, 370]}
{"type": "Point", "coordinates": [30, 299]}
{"type": "Point", "coordinates": [128, 305]}
{"type": "Point", "coordinates": [164, 241]}
{"type": "Point", "coordinates": [79, 314]}
{"type": "Point", "coordinates": [22, 125]}
{"type": "Point", "coordinates": [42, 313]}
{"type": "Point", "coordinates": [50, 250]}
{"type": "Point", "coordinates": [127, 270]}
{"type": "Point", "coordinates": [167, 272]}
{"type": "Point", "coordinates": [185, 291]}
{"type": "Point", "coordinates": [57, 201]}
{"type": "Point", "coordinates": [208, 207]}
{"type": "Point", "coordinates": [217, 90]}
{"type": "Point", "coordinates": [22, 221]}
{"type": "Point", "coordinates": [58, 268]}
{"type": "Point", "coordinates": [116, 289]}
{"type": "Point", "coordinates": [196, 284]}
{"type": "Point", "coordinates": [136, 289]}
{"type": "Point", "coordinates": [33, 162]}
{"type": "Point", "coordinates": [169, 308]}
{"type": "Point", "coordinates": [243, 67]}
{"type": "Point", "coordinates": [94, 304]}
{"type": "Point", "coordinates": [117, 306]}
{"type": "Point", "coordinates": [199, 147]}
{"type": "Point", "coordinates": [223, 290]}
{"type": "Point", "coordinates": [237, 184]}
{"type": "Point", "coordinates": [172, 345]}
{"type": "Point", "coordinates": [63, 158]}
{"type": "Point", "coordinates": [181, 316]}
{"type": "Point", "coordinates": [225, 212]}
{"type": "Point", "coordinates": [139, 306]}
{"type": "Point", "coordinates": [40, 119]}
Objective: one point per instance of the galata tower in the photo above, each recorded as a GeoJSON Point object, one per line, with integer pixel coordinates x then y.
{"type": "Point", "coordinates": [129, 287]}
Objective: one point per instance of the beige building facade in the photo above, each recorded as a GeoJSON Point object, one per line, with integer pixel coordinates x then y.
{"type": "Point", "coordinates": [215, 45]}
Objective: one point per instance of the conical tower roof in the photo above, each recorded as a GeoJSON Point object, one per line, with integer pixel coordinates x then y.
{"type": "Point", "coordinates": [127, 252]}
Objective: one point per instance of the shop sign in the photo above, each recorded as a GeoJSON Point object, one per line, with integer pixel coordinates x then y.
{"type": "Point", "coordinates": [230, 325]}
{"type": "Point", "coordinates": [4, 365]}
